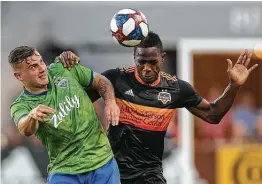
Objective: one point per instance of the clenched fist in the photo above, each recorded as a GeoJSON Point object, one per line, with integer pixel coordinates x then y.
{"type": "Point", "coordinates": [41, 112]}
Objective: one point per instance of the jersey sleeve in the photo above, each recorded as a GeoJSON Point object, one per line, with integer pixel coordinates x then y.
{"type": "Point", "coordinates": [18, 110]}
{"type": "Point", "coordinates": [189, 97]}
{"type": "Point", "coordinates": [83, 75]}
{"type": "Point", "coordinates": [111, 75]}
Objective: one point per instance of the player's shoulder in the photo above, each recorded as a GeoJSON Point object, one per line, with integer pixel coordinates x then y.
{"type": "Point", "coordinates": [56, 68]}
{"type": "Point", "coordinates": [57, 71]}
{"type": "Point", "coordinates": [119, 72]}
{"type": "Point", "coordinates": [128, 69]}
{"type": "Point", "coordinates": [173, 80]}
{"type": "Point", "coordinates": [21, 99]}
{"type": "Point", "coordinates": [21, 96]}
{"type": "Point", "coordinates": [167, 77]}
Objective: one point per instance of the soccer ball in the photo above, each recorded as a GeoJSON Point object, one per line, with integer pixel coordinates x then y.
{"type": "Point", "coordinates": [129, 27]}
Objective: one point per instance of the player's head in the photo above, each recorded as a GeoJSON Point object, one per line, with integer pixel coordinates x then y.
{"type": "Point", "coordinates": [28, 67]}
{"type": "Point", "coordinates": [149, 57]}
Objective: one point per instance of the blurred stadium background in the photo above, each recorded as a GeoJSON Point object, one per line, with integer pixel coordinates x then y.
{"type": "Point", "coordinates": [197, 36]}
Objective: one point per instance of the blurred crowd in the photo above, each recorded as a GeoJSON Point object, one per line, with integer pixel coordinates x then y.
{"type": "Point", "coordinates": [241, 124]}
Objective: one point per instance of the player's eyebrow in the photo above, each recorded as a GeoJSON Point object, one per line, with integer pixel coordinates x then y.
{"type": "Point", "coordinates": [33, 58]}
{"type": "Point", "coordinates": [31, 64]}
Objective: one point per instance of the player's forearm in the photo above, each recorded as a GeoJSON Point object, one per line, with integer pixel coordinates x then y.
{"type": "Point", "coordinates": [27, 126]}
{"type": "Point", "coordinates": [104, 88]}
{"type": "Point", "coordinates": [223, 103]}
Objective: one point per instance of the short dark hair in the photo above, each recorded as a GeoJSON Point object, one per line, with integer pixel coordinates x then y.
{"type": "Point", "coordinates": [152, 40]}
{"type": "Point", "coordinates": [19, 54]}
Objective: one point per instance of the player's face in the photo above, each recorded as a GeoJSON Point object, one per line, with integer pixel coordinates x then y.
{"type": "Point", "coordinates": [149, 62]}
{"type": "Point", "coordinates": [33, 71]}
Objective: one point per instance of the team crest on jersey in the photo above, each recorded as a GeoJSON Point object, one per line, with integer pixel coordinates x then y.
{"type": "Point", "coordinates": [164, 96]}
{"type": "Point", "coordinates": [61, 82]}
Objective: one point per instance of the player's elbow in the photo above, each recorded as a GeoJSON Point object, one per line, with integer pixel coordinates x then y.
{"type": "Point", "coordinates": [26, 133]}
{"type": "Point", "coordinates": [213, 116]}
{"type": "Point", "coordinates": [214, 120]}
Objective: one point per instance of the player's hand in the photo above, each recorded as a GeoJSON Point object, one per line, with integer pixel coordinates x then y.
{"type": "Point", "coordinates": [41, 112]}
{"type": "Point", "coordinates": [239, 73]}
{"type": "Point", "coordinates": [112, 112]}
{"type": "Point", "coordinates": [67, 58]}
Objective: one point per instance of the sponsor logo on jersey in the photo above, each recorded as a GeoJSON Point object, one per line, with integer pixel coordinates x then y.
{"type": "Point", "coordinates": [65, 108]}
{"type": "Point", "coordinates": [164, 96]}
{"type": "Point", "coordinates": [129, 92]}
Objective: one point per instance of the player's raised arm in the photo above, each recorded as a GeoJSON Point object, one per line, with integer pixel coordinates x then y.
{"type": "Point", "coordinates": [213, 112]}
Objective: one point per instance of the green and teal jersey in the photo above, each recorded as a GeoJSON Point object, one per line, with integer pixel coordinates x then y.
{"type": "Point", "coordinates": [73, 136]}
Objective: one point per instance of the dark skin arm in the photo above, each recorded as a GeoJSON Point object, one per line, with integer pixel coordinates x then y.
{"type": "Point", "coordinates": [213, 112]}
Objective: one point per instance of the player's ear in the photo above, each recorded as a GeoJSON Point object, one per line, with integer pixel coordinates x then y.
{"type": "Point", "coordinates": [163, 55]}
{"type": "Point", "coordinates": [18, 76]}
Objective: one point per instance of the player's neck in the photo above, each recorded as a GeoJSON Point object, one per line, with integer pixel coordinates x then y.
{"type": "Point", "coordinates": [36, 90]}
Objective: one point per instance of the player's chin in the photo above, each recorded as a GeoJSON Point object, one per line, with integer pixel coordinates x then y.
{"type": "Point", "coordinates": [43, 81]}
{"type": "Point", "coordinates": [149, 79]}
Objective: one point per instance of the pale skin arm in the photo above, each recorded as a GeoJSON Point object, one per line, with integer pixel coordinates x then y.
{"type": "Point", "coordinates": [106, 91]}
{"type": "Point", "coordinates": [29, 124]}
{"type": "Point", "coordinates": [104, 87]}
{"type": "Point", "coordinates": [213, 112]}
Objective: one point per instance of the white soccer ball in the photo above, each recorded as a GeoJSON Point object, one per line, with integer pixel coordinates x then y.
{"type": "Point", "coordinates": [129, 27]}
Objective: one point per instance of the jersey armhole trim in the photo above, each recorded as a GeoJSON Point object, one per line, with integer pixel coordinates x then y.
{"type": "Point", "coordinates": [91, 80]}
{"type": "Point", "coordinates": [19, 119]}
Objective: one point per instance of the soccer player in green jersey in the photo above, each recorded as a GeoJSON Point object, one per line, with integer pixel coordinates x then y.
{"type": "Point", "coordinates": [54, 107]}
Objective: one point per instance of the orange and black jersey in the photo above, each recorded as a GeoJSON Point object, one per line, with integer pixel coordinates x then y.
{"type": "Point", "coordinates": [145, 112]}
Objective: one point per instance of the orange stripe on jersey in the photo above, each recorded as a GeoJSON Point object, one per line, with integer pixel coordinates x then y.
{"type": "Point", "coordinates": [148, 118]}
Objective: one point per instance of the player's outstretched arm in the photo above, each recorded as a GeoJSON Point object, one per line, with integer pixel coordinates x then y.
{"type": "Point", "coordinates": [213, 112]}
{"type": "Point", "coordinates": [28, 125]}
{"type": "Point", "coordinates": [106, 91]}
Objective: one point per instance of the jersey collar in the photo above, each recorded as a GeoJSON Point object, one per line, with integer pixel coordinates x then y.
{"type": "Point", "coordinates": [38, 94]}
{"type": "Point", "coordinates": [142, 82]}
